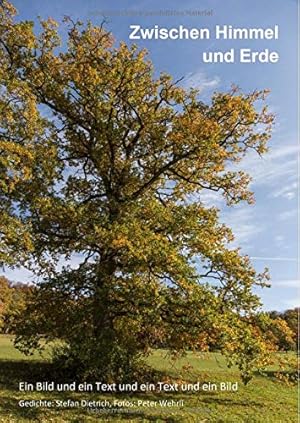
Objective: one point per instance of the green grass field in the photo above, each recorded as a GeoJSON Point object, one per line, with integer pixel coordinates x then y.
{"type": "Point", "coordinates": [264, 399]}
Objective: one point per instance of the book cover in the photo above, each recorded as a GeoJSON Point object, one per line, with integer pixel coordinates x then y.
{"type": "Point", "coordinates": [148, 211]}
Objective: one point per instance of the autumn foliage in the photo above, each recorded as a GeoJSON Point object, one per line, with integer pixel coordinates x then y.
{"type": "Point", "coordinates": [102, 160]}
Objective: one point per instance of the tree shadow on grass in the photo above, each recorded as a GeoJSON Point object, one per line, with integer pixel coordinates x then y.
{"type": "Point", "coordinates": [13, 372]}
{"type": "Point", "coordinates": [291, 376]}
{"type": "Point", "coordinates": [10, 407]}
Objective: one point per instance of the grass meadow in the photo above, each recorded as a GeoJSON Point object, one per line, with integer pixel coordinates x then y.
{"type": "Point", "coordinates": [264, 399]}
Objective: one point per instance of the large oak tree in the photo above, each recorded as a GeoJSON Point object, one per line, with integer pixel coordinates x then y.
{"type": "Point", "coordinates": [101, 159]}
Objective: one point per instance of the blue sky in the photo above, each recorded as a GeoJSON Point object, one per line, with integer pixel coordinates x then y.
{"type": "Point", "coordinates": [267, 231]}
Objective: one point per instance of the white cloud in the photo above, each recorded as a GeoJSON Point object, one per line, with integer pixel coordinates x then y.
{"type": "Point", "coordinates": [243, 222]}
{"type": "Point", "coordinates": [279, 238]}
{"type": "Point", "coordinates": [274, 258]}
{"type": "Point", "coordinates": [211, 198]}
{"type": "Point", "coordinates": [290, 283]}
{"type": "Point", "coordinates": [200, 81]}
{"type": "Point", "coordinates": [278, 166]}
{"type": "Point", "coordinates": [288, 214]}
{"type": "Point", "coordinates": [280, 242]}
{"type": "Point", "coordinates": [288, 191]}
{"type": "Point", "coordinates": [289, 195]}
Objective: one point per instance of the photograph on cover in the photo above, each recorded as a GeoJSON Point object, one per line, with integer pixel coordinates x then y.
{"type": "Point", "coordinates": [148, 211]}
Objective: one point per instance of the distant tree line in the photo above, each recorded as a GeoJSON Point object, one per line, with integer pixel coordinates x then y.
{"type": "Point", "coordinates": [282, 320]}
{"type": "Point", "coordinates": [13, 298]}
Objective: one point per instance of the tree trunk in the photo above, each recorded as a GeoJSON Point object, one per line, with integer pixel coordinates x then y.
{"type": "Point", "coordinates": [104, 282]}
